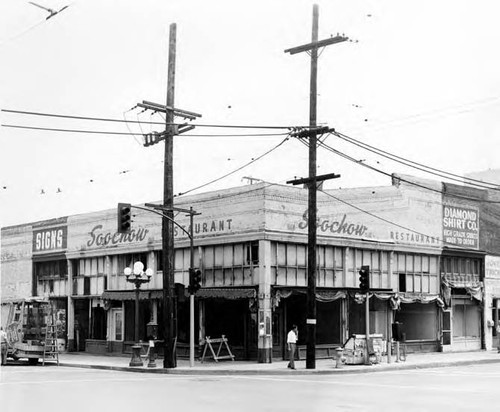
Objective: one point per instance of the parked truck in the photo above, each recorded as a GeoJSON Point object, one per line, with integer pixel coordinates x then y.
{"type": "Point", "coordinates": [26, 328]}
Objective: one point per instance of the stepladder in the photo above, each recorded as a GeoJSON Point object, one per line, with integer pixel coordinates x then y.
{"type": "Point", "coordinates": [223, 343]}
{"type": "Point", "coordinates": [50, 348]}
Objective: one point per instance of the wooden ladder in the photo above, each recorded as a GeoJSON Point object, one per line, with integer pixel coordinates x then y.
{"type": "Point", "coordinates": [50, 349]}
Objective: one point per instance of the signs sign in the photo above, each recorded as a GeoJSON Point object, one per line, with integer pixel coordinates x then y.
{"type": "Point", "coordinates": [460, 226]}
{"type": "Point", "coordinates": [50, 240]}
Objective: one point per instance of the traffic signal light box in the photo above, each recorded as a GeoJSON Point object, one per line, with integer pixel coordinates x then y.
{"type": "Point", "coordinates": [364, 279]}
{"type": "Point", "coordinates": [124, 217]}
{"type": "Point", "coordinates": [194, 280]}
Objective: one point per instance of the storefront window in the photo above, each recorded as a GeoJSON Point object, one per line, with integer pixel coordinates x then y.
{"type": "Point", "coordinates": [466, 318]}
{"type": "Point", "coordinates": [418, 273]}
{"type": "Point", "coordinates": [420, 321]}
{"type": "Point", "coordinates": [253, 253]}
{"type": "Point", "coordinates": [228, 265]}
{"type": "Point", "coordinates": [289, 262]}
{"type": "Point", "coordinates": [54, 268]}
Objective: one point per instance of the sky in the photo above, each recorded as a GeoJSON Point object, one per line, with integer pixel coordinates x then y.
{"type": "Point", "coordinates": [419, 79]}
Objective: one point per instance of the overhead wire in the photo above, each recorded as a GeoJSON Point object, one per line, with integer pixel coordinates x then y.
{"type": "Point", "coordinates": [236, 170]}
{"type": "Point", "coordinates": [441, 112]}
{"type": "Point", "coordinates": [384, 219]}
{"type": "Point", "coordinates": [103, 119]}
{"type": "Point", "coordinates": [128, 127]}
{"type": "Point", "coordinates": [22, 33]}
{"type": "Point", "coordinates": [350, 158]}
{"type": "Point", "coordinates": [416, 165]}
{"type": "Point", "coordinates": [268, 184]}
{"type": "Point", "coordinates": [254, 159]}
{"type": "Point", "coordinates": [51, 129]}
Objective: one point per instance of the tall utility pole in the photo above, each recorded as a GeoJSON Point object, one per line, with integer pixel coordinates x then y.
{"type": "Point", "coordinates": [167, 232]}
{"type": "Point", "coordinates": [169, 359]}
{"type": "Point", "coordinates": [312, 181]}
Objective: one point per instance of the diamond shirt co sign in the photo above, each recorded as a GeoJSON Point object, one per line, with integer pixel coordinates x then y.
{"type": "Point", "coordinates": [461, 226]}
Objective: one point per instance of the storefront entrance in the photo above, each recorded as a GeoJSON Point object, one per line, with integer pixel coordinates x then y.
{"type": "Point", "coordinates": [466, 323]}
{"type": "Point", "coordinates": [82, 317]}
{"type": "Point", "coordinates": [293, 311]}
{"type": "Point", "coordinates": [233, 319]}
{"type": "Point", "coordinates": [420, 325]}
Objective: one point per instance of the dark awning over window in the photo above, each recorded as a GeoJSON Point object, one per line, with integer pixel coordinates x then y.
{"type": "Point", "coordinates": [48, 257]}
{"type": "Point", "coordinates": [130, 294]}
{"type": "Point", "coordinates": [204, 293]}
{"type": "Point", "coordinates": [227, 293]}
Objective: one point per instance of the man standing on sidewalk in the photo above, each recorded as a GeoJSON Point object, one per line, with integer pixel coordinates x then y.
{"type": "Point", "coordinates": [291, 341]}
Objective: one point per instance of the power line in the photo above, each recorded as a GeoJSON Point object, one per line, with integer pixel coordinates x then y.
{"type": "Point", "coordinates": [268, 184]}
{"type": "Point", "coordinates": [415, 165]}
{"type": "Point", "coordinates": [236, 170]}
{"type": "Point", "coordinates": [50, 129]}
{"type": "Point", "coordinates": [70, 130]}
{"type": "Point", "coordinates": [383, 219]}
{"type": "Point", "coordinates": [254, 159]}
{"type": "Point", "coordinates": [103, 119]}
{"type": "Point", "coordinates": [345, 156]}
{"type": "Point", "coordinates": [441, 112]}
{"type": "Point", "coordinates": [22, 33]}
{"type": "Point", "coordinates": [230, 195]}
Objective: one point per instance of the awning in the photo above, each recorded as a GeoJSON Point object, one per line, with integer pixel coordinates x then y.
{"type": "Point", "coordinates": [144, 294]}
{"type": "Point", "coordinates": [203, 293]}
{"type": "Point", "coordinates": [48, 257]}
{"type": "Point", "coordinates": [226, 293]}
{"type": "Point", "coordinates": [322, 295]}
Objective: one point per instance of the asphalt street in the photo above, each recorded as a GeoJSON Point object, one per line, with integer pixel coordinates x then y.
{"type": "Point", "coordinates": [52, 388]}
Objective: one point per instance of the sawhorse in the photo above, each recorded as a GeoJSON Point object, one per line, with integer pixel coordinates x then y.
{"type": "Point", "coordinates": [221, 341]}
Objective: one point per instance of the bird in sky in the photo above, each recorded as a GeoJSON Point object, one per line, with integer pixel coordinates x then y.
{"type": "Point", "coordinates": [52, 12]}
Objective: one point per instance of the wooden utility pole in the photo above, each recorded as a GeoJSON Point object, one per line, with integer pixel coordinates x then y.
{"type": "Point", "coordinates": [312, 181]}
{"type": "Point", "coordinates": [167, 232]}
{"type": "Point", "coordinates": [311, 204]}
{"type": "Point", "coordinates": [169, 359]}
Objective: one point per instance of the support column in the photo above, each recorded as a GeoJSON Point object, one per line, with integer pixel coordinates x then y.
{"type": "Point", "coordinates": [344, 314]}
{"type": "Point", "coordinates": [264, 330]}
{"type": "Point", "coordinates": [201, 321]}
{"type": "Point", "coordinates": [70, 316]}
{"type": "Point", "coordinates": [390, 318]}
{"type": "Point", "coordinates": [488, 322]}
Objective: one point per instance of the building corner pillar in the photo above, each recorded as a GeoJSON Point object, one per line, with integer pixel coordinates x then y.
{"type": "Point", "coordinates": [264, 330]}
{"type": "Point", "coordinates": [70, 317]}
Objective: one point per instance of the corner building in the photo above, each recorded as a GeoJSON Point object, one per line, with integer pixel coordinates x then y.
{"type": "Point", "coordinates": [251, 246]}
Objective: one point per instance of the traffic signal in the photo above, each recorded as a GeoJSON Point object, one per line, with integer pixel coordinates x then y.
{"type": "Point", "coordinates": [364, 279]}
{"type": "Point", "coordinates": [124, 217]}
{"type": "Point", "coordinates": [194, 280]}
{"type": "Point", "coordinates": [197, 280]}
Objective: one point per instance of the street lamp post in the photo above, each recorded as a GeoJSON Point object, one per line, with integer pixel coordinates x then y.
{"type": "Point", "coordinates": [137, 276]}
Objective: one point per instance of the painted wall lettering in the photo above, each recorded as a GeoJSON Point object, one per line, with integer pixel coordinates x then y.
{"type": "Point", "coordinates": [211, 226]}
{"type": "Point", "coordinates": [492, 267]}
{"type": "Point", "coordinates": [99, 238]}
{"type": "Point", "coordinates": [412, 237]}
{"type": "Point", "coordinates": [50, 239]}
{"type": "Point", "coordinates": [461, 226]}
{"type": "Point", "coordinates": [340, 226]}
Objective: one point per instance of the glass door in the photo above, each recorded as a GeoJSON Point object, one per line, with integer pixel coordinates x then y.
{"type": "Point", "coordinates": [116, 324]}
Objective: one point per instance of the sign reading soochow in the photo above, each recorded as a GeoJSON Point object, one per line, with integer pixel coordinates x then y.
{"type": "Point", "coordinates": [460, 226]}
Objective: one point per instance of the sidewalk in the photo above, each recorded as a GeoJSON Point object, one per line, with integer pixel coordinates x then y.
{"type": "Point", "coordinates": [323, 366]}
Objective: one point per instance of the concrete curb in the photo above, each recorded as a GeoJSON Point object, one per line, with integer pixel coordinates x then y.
{"type": "Point", "coordinates": [284, 372]}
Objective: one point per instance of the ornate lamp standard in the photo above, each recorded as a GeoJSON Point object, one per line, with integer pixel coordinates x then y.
{"type": "Point", "coordinates": [137, 276]}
